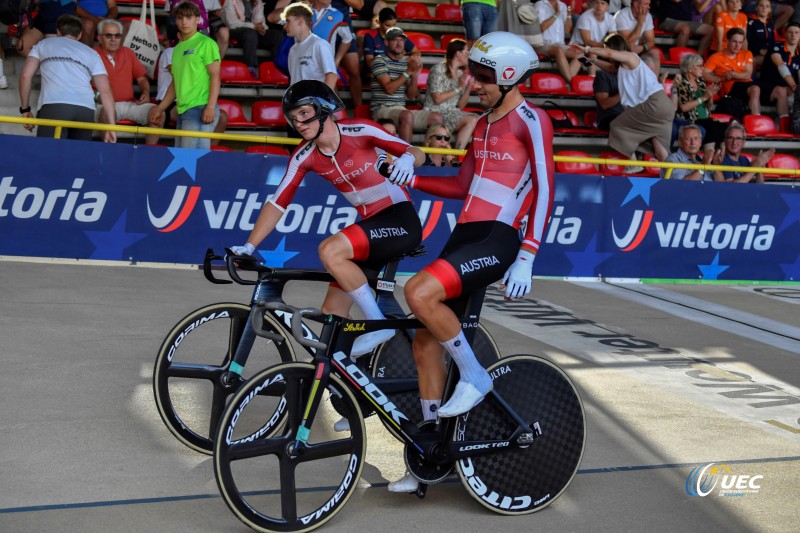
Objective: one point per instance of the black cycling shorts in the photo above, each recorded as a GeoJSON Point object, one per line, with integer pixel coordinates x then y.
{"type": "Point", "coordinates": [386, 235]}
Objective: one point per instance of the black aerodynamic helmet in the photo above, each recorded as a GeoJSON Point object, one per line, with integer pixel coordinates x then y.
{"type": "Point", "coordinates": [313, 93]}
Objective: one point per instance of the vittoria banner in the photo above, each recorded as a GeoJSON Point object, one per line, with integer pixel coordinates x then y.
{"type": "Point", "coordinates": [90, 200]}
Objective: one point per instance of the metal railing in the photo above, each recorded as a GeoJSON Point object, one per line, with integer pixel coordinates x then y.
{"type": "Point", "coordinates": [267, 139]}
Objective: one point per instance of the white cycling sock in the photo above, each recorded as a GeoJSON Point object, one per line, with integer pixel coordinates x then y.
{"type": "Point", "coordinates": [429, 409]}
{"type": "Point", "coordinates": [365, 300]}
{"type": "Point", "coordinates": [471, 370]}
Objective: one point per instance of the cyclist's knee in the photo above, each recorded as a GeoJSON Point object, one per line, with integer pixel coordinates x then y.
{"type": "Point", "coordinates": [423, 293]}
{"type": "Point", "coordinates": [331, 250]}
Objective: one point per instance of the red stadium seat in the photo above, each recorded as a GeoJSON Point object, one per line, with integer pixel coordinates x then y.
{"type": "Point", "coordinates": [676, 53]}
{"type": "Point", "coordinates": [560, 114]}
{"type": "Point", "coordinates": [570, 167]}
{"type": "Point", "coordinates": [721, 117]}
{"type": "Point", "coordinates": [270, 75]}
{"type": "Point", "coordinates": [269, 114]}
{"type": "Point", "coordinates": [583, 85]}
{"type": "Point", "coordinates": [785, 125]}
{"type": "Point", "coordinates": [651, 171]}
{"type": "Point", "coordinates": [589, 119]}
{"type": "Point", "coordinates": [784, 161]}
{"type": "Point", "coordinates": [363, 111]}
{"type": "Point", "coordinates": [610, 169]}
{"type": "Point", "coordinates": [413, 11]}
{"type": "Point", "coordinates": [449, 13]}
{"type": "Point", "coordinates": [235, 73]}
{"type": "Point", "coordinates": [236, 116]}
{"type": "Point", "coordinates": [447, 37]}
{"type": "Point", "coordinates": [762, 126]}
{"type": "Point", "coordinates": [270, 149]}
{"type": "Point", "coordinates": [548, 83]}
{"type": "Point", "coordinates": [423, 41]}
{"type": "Point", "coordinates": [220, 148]}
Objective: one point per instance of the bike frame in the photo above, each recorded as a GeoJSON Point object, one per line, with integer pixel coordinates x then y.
{"type": "Point", "coordinates": [337, 336]}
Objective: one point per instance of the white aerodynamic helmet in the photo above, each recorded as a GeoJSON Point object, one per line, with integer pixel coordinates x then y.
{"type": "Point", "coordinates": [502, 58]}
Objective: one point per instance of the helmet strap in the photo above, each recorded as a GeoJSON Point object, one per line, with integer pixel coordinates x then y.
{"type": "Point", "coordinates": [504, 90]}
{"type": "Point", "coordinates": [322, 118]}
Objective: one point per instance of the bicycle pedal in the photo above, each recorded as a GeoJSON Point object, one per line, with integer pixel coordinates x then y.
{"type": "Point", "coordinates": [422, 489]}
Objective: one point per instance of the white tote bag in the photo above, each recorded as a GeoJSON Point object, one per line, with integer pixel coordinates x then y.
{"type": "Point", "coordinates": [142, 38]}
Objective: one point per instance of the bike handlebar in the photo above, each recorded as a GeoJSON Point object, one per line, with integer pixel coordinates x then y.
{"type": "Point", "coordinates": [207, 268]}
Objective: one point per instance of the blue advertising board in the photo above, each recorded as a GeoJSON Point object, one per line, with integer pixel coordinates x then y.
{"type": "Point", "coordinates": [73, 199]}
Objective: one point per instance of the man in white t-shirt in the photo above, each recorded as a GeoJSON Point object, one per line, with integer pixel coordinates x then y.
{"type": "Point", "coordinates": [635, 24]}
{"type": "Point", "coordinates": [311, 57]}
{"type": "Point", "coordinates": [555, 19]}
{"type": "Point", "coordinates": [68, 69]}
{"type": "Point", "coordinates": [593, 25]}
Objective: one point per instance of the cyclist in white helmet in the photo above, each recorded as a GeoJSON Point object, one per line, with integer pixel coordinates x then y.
{"type": "Point", "coordinates": [507, 175]}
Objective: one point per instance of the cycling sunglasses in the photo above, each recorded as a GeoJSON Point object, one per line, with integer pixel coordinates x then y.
{"type": "Point", "coordinates": [482, 73]}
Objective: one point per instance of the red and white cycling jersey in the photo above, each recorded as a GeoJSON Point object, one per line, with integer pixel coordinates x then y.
{"type": "Point", "coordinates": [507, 173]}
{"type": "Point", "coordinates": [351, 169]}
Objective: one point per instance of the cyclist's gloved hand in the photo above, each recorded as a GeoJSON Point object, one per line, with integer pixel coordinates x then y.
{"type": "Point", "coordinates": [517, 280]}
{"type": "Point", "coordinates": [403, 171]}
{"type": "Point", "coordinates": [247, 249]}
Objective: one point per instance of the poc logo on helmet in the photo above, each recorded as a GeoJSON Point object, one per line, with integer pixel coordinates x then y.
{"type": "Point", "coordinates": [488, 62]}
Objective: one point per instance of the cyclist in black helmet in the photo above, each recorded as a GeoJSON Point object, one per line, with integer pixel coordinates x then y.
{"type": "Point", "coordinates": [345, 156]}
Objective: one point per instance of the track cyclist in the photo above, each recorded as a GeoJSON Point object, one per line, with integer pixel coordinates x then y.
{"type": "Point", "coordinates": [345, 155]}
{"type": "Point", "coordinates": [507, 174]}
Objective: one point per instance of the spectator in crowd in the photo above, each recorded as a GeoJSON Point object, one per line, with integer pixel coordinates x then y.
{"type": "Point", "coordinates": [448, 90]}
{"type": "Point", "coordinates": [760, 33]}
{"type": "Point", "coordinates": [394, 78]}
{"type": "Point", "coordinates": [217, 29]}
{"type": "Point", "coordinates": [781, 12]}
{"type": "Point", "coordinates": [480, 18]}
{"type": "Point", "coordinates": [438, 136]}
{"type": "Point", "coordinates": [375, 40]}
{"type": "Point", "coordinates": [635, 24]}
{"type": "Point", "coordinates": [246, 23]}
{"type": "Point", "coordinates": [124, 68]}
{"type": "Point", "coordinates": [779, 72]}
{"type": "Point", "coordinates": [555, 19]}
{"type": "Point", "coordinates": [606, 94]}
{"type": "Point", "coordinates": [646, 122]}
{"type": "Point", "coordinates": [196, 80]}
{"type": "Point", "coordinates": [593, 25]}
{"type": "Point", "coordinates": [311, 57]}
{"type": "Point", "coordinates": [91, 13]}
{"type": "Point", "coordinates": [731, 17]}
{"type": "Point", "coordinates": [695, 99]}
{"type": "Point", "coordinates": [733, 67]}
{"type": "Point", "coordinates": [388, 125]}
{"type": "Point", "coordinates": [676, 16]}
{"type": "Point", "coordinates": [44, 23]}
{"type": "Point", "coordinates": [369, 10]}
{"type": "Point", "coordinates": [350, 60]}
{"type": "Point", "coordinates": [173, 36]}
{"type": "Point", "coordinates": [164, 79]}
{"type": "Point", "coordinates": [690, 139]}
{"type": "Point", "coordinates": [735, 137]}
{"type": "Point", "coordinates": [707, 10]}
{"type": "Point", "coordinates": [68, 69]}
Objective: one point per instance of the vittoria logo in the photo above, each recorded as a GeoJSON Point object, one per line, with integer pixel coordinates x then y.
{"type": "Point", "coordinates": [637, 230]}
{"type": "Point", "coordinates": [180, 207]}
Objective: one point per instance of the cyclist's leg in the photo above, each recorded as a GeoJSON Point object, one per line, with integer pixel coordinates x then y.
{"type": "Point", "coordinates": [337, 301]}
{"type": "Point", "coordinates": [425, 294]}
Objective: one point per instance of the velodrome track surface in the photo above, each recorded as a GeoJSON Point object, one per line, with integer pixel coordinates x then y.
{"type": "Point", "coordinates": [672, 377]}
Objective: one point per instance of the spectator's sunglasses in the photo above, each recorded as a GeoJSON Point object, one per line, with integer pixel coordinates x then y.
{"type": "Point", "coordinates": [440, 137]}
{"type": "Point", "coordinates": [482, 73]}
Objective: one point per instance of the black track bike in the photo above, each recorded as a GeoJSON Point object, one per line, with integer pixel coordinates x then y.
{"type": "Point", "coordinates": [204, 358]}
{"type": "Point", "coordinates": [515, 452]}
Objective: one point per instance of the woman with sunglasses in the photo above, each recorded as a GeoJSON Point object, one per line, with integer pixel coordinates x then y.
{"type": "Point", "coordinates": [506, 175]}
{"type": "Point", "coordinates": [438, 136]}
{"type": "Point", "coordinates": [346, 156]}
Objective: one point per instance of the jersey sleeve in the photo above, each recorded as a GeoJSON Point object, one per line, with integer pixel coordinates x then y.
{"type": "Point", "coordinates": [538, 137]}
{"type": "Point", "coordinates": [295, 173]}
{"type": "Point", "coordinates": [455, 187]}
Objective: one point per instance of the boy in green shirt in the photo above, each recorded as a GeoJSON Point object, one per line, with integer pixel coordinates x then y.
{"type": "Point", "coordinates": [195, 79]}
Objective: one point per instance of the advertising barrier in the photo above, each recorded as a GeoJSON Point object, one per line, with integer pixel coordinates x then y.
{"type": "Point", "coordinates": [89, 200]}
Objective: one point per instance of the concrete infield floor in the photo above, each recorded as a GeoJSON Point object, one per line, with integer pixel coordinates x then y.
{"type": "Point", "coordinates": [672, 377]}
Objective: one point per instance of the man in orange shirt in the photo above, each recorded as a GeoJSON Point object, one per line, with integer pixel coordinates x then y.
{"type": "Point", "coordinates": [732, 18]}
{"type": "Point", "coordinates": [733, 67]}
{"type": "Point", "coordinates": [123, 69]}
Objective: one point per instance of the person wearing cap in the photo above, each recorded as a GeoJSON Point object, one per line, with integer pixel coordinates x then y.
{"type": "Point", "coordinates": [394, 79]}
{"type": "Point", "coordinates": [506, 175]}
{"type": "Point", "coordinates": [346, 157]}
